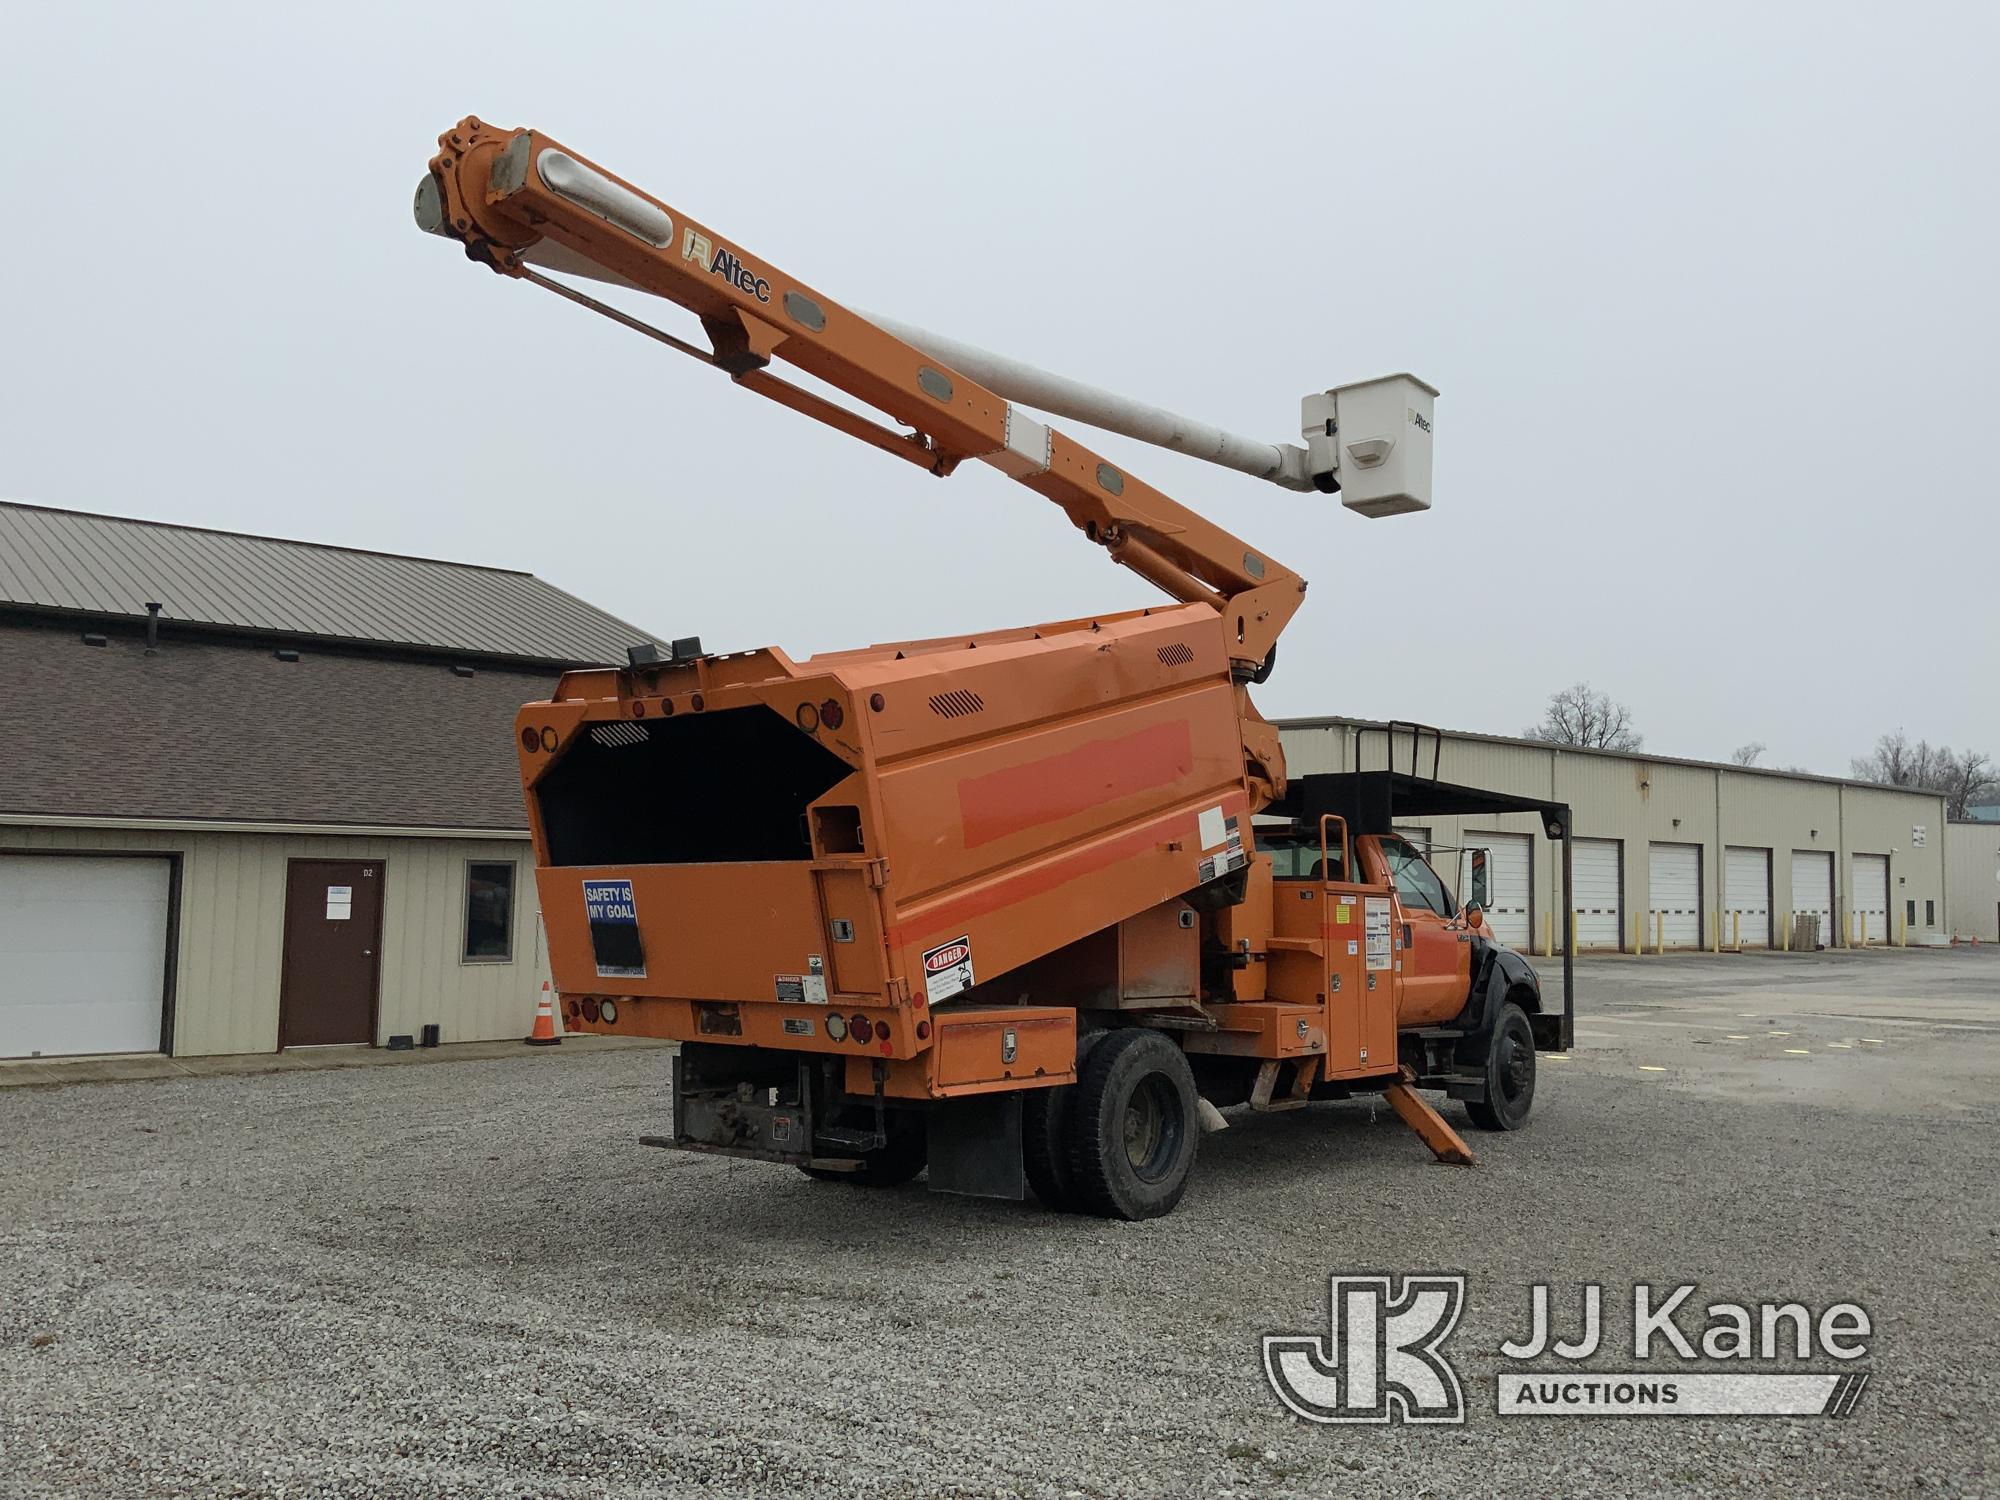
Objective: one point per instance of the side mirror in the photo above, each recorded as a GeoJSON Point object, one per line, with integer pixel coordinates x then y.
{"type": "Point", "coordinates": [1478, 889]}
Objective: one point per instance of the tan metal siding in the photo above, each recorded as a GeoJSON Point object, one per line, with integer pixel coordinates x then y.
{"type": "Point", "coordinates": [231, 932]}
{"type": "Point", "coordinates": [1972, 881]}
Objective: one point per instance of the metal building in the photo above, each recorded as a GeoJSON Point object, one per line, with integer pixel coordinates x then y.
{"type": "Point", "coordinates": [1972, 879]}
{"type": "Point", "coordinates": [258, 794]}
{"type": "Point", "coordinates": [1669, 853]}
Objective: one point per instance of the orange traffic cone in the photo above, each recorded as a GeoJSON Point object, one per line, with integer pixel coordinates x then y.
{"type": "Point", "coordinates": [544, 1034]}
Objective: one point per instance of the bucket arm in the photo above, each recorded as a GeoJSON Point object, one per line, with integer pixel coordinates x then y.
{"type": "Point", "coordinates": [522, 204]}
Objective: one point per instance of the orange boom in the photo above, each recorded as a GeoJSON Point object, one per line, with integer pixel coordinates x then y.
{"type": "Point", "coordinates": [1000, 904]}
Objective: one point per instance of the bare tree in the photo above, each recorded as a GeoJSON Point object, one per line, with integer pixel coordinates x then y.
{"type": "Point", "coordinates": [1746, 755]}
{"type": "Point", "coordinates": [1960, 779]}
{"type": "Point", "coordinates": [1581, 715]}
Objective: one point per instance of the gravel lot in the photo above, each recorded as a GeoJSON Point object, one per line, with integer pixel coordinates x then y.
{"type": "Point", "coordinates": [467, 1279]}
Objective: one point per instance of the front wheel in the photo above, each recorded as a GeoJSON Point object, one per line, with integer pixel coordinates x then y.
{"type": "Point", "coordinates": [1510, 1073]}
{"type": "Point", "coordinates": [1133, 1127]}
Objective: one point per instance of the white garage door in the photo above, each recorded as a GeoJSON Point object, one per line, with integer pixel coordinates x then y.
{"type": "Point", "coordinates": [1746, 897]}
{"type": "Point", "coordinates": [83, 954]}
{"type": "Point", "coordinates": [1597, 898]}
{"type": "Point", "coordinates": [1510, 863]}
{"type": "Point", "coordinates": [1812, 891]}
{"type": "Point", "coordinates": [1674, 876]}
{"type": "Point", "coordinates": [1869, 904]}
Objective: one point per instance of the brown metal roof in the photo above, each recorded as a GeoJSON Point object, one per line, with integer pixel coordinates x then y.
{"type": "Point", "coordinates": [208, 728]}
{"type": "Point", "coordinates": [108, 566]}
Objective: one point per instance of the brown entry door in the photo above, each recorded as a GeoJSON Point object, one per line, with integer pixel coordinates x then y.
{"type": "Point", "coordinates": [333, 939]}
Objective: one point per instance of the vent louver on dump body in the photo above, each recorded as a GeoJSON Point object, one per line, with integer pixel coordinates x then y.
{"type": "Point", "coordinates": [611, 736]}
{"type": "Point", "coordinates": [1178, 654]}
{"type": "Point", "coordinates": [957, 703]}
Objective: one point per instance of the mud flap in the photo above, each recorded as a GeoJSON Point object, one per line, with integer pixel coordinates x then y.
{"type": "Point", "coordinates": [976, 1147]}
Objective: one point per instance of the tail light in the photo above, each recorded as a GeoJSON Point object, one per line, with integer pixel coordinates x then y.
{"type": "Point", "coordinates": [609, 1011]}
{"type": "Point", "coordinates": [590, 1009]}
{"type": "Point", "coordinates": [831, 714]}
{"type": "Point", "coordinates": [861, 1029]}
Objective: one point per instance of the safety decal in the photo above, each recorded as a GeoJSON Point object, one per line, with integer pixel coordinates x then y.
{"type": "Point", "coordinates": [791, 989]}
{"type": "Point", "coordinates": [1375, 929]}
{"type": "Point", "coordinates": [798, 1026]}
{"type": "Point", "coordinates": [948, 970]}
{"type": "Point", "coordinates": [614, 929]}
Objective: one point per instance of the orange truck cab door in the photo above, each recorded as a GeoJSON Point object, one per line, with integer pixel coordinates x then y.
{"type": "Point", "coordinates": [1433, 944]}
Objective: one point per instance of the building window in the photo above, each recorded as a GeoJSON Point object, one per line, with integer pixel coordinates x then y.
{"type": "Point", "coordinates": [489, 912]}
{"type": "Point", "coordinates": [1930, 914]}
{"type": "Point", "coordinates": [1910, 913]}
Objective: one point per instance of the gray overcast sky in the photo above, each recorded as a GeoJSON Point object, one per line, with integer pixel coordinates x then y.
{"type": "Point", "coordinates": [1709, 292]}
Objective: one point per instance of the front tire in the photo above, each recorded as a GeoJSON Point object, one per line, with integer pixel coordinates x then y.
{"type": "Point", "coordinates": [1133, 1126]}
{"type": "Point", "coordinates": [1510, 1073]}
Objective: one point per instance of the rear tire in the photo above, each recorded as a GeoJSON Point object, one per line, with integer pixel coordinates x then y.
{"type": "Point", "coordinates": [1134, 1128]}
{"type": "Point", "coordinates": [1045, 1145]}
{"type": "Point", "coordinates": [1510, 1073]}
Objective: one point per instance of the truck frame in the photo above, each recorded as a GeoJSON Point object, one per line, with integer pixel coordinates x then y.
{"type": "Point", "coordinates": [1022, 907]}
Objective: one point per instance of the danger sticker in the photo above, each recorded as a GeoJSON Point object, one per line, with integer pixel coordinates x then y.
{"type": "Point", "coordinates": [948, 970]}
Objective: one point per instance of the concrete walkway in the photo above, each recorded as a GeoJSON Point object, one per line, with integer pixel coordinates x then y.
{"type": "Point", "coordinates": [22, 1072]}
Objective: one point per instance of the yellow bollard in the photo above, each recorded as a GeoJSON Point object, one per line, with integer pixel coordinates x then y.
{"type": "Point", "coordinates": [1659, 932]}
{"type": "Point", "coordinates": [1736, 930]}
{"type": "Point", "coordinates": [1638, 934]}
{"type": "Point", "coordinates": [1847, 929]}
{"type": "Point", "coordinates": [1785, 935]}
{"type": "Point", "coordinates": [1864, 929]}
{"type": "Point", "coordinates": [1548, 935]}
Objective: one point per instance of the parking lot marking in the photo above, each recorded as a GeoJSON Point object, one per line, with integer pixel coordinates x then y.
{"type": "Point", "coordinates": [1555, 1057]}
{"type": "Point", "coordinates": [1649, 1068]}
{"type": "Point", "coordinates": [1873, 1040]}
{"type": "Point", "coordinates": [1843, 1046]}
{"type": "Point", "coordinates": [1799, 1051]}
{"type": "Point", "coordinates": [1739, 1036]}
{"type": "Point", "coordinates": [1777, 1033]}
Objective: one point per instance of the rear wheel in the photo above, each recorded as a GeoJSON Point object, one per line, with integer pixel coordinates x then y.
{"type": "Point", "coordinates": [1510, 1073]}
{"type": "Point", "coordinates": [1133, 1127]}
{"type": "Point", "coordinates": [1045, 1145]}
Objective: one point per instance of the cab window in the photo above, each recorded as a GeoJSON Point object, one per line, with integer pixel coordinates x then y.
{"type": "Point", "coordinates": [1294, 856]}
{"type": "Point", "coordinates": [1416, 882]}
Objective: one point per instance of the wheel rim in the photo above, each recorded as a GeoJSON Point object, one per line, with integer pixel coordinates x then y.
{"type": "Point", "coordinates": [1152, 1128]}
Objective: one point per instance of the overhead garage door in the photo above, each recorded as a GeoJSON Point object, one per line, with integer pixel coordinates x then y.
{"type": "Point", "coordinates": [1510, 863]}
{"type": "Point", "coordinates": [1869, 905]}
{"type": "Point", "coordinates": [1746, 897]}
{"type": "Point", "coordinates": [1812, 891]}
{"type": "Point", "coordinates": [1596, 896]}
{"type": "Point", "coordinates": [1674, 877]}
{"type": "Point", "coordinates": [83, 954]}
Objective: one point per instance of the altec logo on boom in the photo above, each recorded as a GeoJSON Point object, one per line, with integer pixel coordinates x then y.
{"type": "Point", "coordinates": [723, 263]}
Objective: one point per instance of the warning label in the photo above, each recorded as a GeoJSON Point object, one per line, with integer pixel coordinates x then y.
{"type": "Point", "coordinates": [1375, 930]}
{"type": "Point", "coordinates": [948, 970]}
{"type": "Point", "coordinates": [798, 1026]}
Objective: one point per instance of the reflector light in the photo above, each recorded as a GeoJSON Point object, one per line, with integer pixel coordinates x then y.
{"type": "Point", "coordinates": [609, 1011]}
{"type": "Point", "coordinates": [831, 714]}
{"type": "Point", "coordinates": [923, 1031]}
{"type": "Point", "coordinates": [888, 1047]}
{"type": "Point", "coordinates": [877, 702]}
{"type": "Point", "coordinates": [836, 1027]}
{"type": "Point", "coordinates": [861, 1028]}
{"type": "Point", "coordinates": [590, 1010]}
{"type": "Point", "coordinates": [806, 717]}
{"type": "Point", "coordinates": [530, 741]}
{"type": "Point", "coordinates": [590, 190]}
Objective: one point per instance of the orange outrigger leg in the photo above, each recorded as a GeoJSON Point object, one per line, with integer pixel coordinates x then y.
{"type": "Point", "coordinates": [1430, 1126]}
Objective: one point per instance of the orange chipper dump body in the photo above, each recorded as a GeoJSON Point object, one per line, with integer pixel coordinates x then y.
{"type": "Point", "coordinates": [991, 904]}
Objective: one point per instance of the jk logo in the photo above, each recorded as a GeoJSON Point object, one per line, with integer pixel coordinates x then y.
{"type": "Point", "coordinates": [1381, 1361]}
